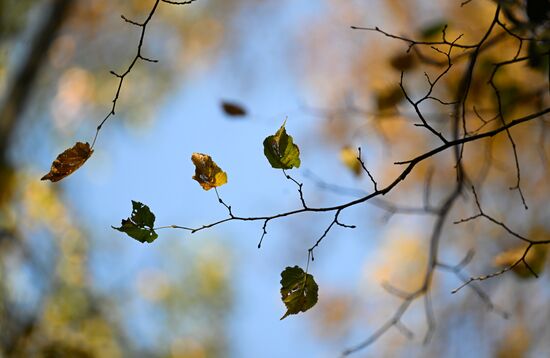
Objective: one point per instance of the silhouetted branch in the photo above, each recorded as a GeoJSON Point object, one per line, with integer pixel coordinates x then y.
{"type": "Point", "coordinates": [138, 56]}
{"type": "Point", "coordinates": [530, 244]}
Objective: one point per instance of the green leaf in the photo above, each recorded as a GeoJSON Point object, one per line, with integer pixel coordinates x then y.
{"type": "Point", "coordinates": [139, 225]}
{"type": "Point", "coordinates": [281, 151]}
{"type": "Point", "coordinates": [299, 291]}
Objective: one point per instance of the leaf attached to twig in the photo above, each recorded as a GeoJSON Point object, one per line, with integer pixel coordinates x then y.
{"type": "Point", "coordinates": [299, 291]}
{"type": "Point", "coordinates": [280, 150]}
{"type": "Point", "coordinates": [69, 161]}
{"type": "Point", "coordinates": [139, 225]}
{"type": "Point", "coordinates": [207, 172]}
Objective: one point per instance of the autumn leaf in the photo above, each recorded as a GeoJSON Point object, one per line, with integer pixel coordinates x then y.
{"type": "Point", "coordinates": [233, 109]}
{"type": "Point", "coordinates": [389, 98]}
{"type": "Point", "coordinates": [207, 172]}
{"type": "Point", "coordinates": [139, 225]}
{"type": "Point", "coordinates": [535, 258]}
{"type": "Point", "coordinates": [403, 61]}
{"type": "Point", "coordinates": [69, 161]}
{"type": "Point", "coordinates": [348, 156]}
{"type": "Point", "coordinates": [299, 291]}
{"type": "Point", "coordinates": [280, 150]}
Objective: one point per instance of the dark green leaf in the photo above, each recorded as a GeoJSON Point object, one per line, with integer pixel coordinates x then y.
{"type": "Point", "coordinates": [280, 150]}
{"type": "Point", "coordinates": [298, 290]}
{"type": "Point", "coordinates": [139, 225]}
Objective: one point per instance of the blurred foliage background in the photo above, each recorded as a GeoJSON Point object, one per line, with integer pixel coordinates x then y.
{"type": "Point", "coordinates": [50, 303]}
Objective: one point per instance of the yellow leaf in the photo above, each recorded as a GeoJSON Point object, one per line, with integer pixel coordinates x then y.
{"type": "Point", "coordinates": [535, 258]}
{"type": "Point", "coordinates": [207, 172]}
{"type": "Point", "coordinates": [348, 155]}
{"type": "Point", "coordinates": [69, 161]}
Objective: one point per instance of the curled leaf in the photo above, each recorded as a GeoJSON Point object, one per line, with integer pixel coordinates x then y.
{"type": "Point", "coordinates": [280, 150]}
{"type": "Point", "coordinates": [69, 161]}
{"type": "Point", "coordinates": [233, 109]}
{"type": "Point", "coordinates": [139, 225]}
{"type": "Point", "coordinates": [348, 155]}
{"type": "Point", "coordinates": [207, 172]}
{"type": "Point", "coordinates": [299, 291]}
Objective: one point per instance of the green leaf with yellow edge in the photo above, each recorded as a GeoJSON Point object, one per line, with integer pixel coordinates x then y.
{"type": "Point", "coordinates": [280, 150]}
{"type": "Point", "coordinates": [139, 225]}
{"type": "Point", "coordinates": [69, 161]}
{"type": "Point", "coordinates": [207, 172]}
{"type": "Point", "coordinates": [299, 291]}
{"type": "Point", "coordinates": [348, 156]}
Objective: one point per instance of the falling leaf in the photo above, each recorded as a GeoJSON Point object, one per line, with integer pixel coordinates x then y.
{"type": "Point", "coordinates": [536, 258]}
{"type": "Point", "coordinates": [348, 155]}
{"type": "Point", "coordinates": [69, 161]}
{"type": "Point", "coordinates": [299, 291]}
{"type": "Point", "coordinates": [207, 172]}
{"type": "Point", "coordinates": [281, 151]}
{"type": "Point", "coordinates": [233, 109]}
{"type": "Point", "coordinates": [139, 225]}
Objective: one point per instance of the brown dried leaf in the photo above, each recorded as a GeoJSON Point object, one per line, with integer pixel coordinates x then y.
{"type": "Point", "coordinates": [233, 109]}
{"type": "Point", "coordinates": [69, 161]}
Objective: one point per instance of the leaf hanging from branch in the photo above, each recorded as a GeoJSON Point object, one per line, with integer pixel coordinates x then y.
{"type": "Point", "coordinates": [299, 291]}
{"type": "Point", "coordinates": [69, 161]}
{"type": "Point", "coordinates": [207, 172]}
{"type": "Point", "coordinates": [280, 150]}
{"type": "Point", "coordinates": [139, 225]}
